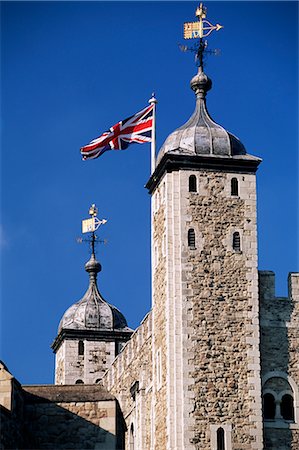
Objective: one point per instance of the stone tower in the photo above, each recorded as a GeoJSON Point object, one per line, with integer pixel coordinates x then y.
{"type": "Point", "coordinates": [206, 359]}
{"type": "Point", "coordinates": [90, 334]}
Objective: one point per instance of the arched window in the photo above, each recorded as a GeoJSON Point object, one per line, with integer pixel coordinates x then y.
{"type": "Point", "coordinates": [191, 238]}
{"type": "Point", "coordinates": [269, 406]}
{"type": "Point", "coordinates": [234, 186]}
{"type": "Point", "coordinates": [220, 439]}
{"type": "Point", "coordinates": [132, 437]}
{"type": "Point", "coordinates": [287, 407]}
{"type": "Point", "coordinates": [81, 348]}
{"type": "Point", "coordinates": [192, 183]}
{"type": "Point", "coordinates": [279, 399]}
{"type": "Point", "coordinates": [236, 241]}
{"type": "Point", "coordinates": [79, 382]}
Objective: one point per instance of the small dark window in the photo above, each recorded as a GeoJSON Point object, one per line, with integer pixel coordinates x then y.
{"type": "Point", "coordinates": [98, 380]}
{"type": "Point", "coordinates": [287, 407]}
{"type": "Point", "coordinates": [132, 444]}
{"type": "Point", "coordinates": [79, 382]}
{"type": "Point", "coordinates": [220, 439]}
{"type": "Point", "coordinates": [269, 406]}
{"type": "Point", "coordinates": [236, 241]}
{"type": "Point", "coordinates": [234, 187]}
{"type": "Point", "coordinates": [81, 348]}
{"type": "Point", "coordinates": [191, 238]}
{"type": "Point", "coordinates": [192, 183]}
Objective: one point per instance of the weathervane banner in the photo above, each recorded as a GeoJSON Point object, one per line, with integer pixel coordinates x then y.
{"type": "Point", "coordinates": [135, 129]}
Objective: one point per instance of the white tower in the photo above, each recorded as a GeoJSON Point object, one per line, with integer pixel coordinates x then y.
{"type": "Point", "coordinates": [207, 387]}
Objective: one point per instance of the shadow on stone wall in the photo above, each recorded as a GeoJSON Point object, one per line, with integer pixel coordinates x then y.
{"type": "Point", "coordinates": [50, 426]}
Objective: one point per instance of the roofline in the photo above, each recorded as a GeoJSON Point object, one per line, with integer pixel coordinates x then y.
{"type": "Point", "coordinates": [91, 335]}
{"type": "Point", "coordinates": [172, 162]}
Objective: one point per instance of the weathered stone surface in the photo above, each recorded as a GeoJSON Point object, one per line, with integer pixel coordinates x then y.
{"type": "Point", "coordinates": [130, 381]}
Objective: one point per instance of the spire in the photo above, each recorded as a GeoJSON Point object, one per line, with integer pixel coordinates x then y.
{"type": "Point", "coordinates": [92, 311]}
{"type": "Point", "coordinates": [93, 267]}
{"type": "Point", "coordinates": [201, 135]}
{"type": "Point", "coordinates": [201, 84]}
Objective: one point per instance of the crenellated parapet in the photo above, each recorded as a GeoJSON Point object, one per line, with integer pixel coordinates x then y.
{"type": "Point", "coordinates": [293, 285]}
{"type": "Point", "coordinates": [278, 311]}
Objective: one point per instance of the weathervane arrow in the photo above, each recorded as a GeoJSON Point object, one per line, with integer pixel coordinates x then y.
{"type": "Point", "coordinates": [202, 28]}
{"type": "Point", "coordinates": [199, 30]}
{"type": "Point", "coordinates": [91, 225]}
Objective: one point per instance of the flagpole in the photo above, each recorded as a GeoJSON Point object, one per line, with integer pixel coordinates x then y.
{"type": "Point", "coordinates": [153, 101]}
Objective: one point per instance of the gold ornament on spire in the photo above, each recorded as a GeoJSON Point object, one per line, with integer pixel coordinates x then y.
{"type": "Point", "coordinates": [92, 224]}
{"type": "Point", "coordinates": [202, 28]}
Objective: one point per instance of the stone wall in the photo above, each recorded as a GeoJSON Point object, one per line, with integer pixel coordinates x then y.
{"type": "Point", "coordinates": [73, 417]}
{"type": "Point", "coordinates": [280, 358]}
{"type": "Point", "coordinates": [89, 367]}
{"type": "Point", "coordinates": [222, 300]}
{"type": "Point", "coordinates": [206, 311]}
{"type": "Point", "coordinates": [161, 333]}
{"type": "Point", "coordinates": [130, 380]}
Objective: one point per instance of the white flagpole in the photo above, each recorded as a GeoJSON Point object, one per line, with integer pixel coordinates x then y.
{"type": "Point", "coordinates": [153, 101]}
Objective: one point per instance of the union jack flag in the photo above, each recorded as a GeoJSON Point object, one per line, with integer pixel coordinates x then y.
{"type": "Point", "coordinates": [137, 128]}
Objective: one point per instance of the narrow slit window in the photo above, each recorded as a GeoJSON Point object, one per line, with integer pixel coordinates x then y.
{"type": "Point", "coordinates": [192, 183]}
{"type": "Point", "coordinates": [80, 348]}
{"type": "Point", "coordinates": [236, 242]}
{"type": "Point", "coordinates": [191, 238]}
{"type": "Point", "coordinates": [132, 444]}
{"type": "Point", "coordinates": [234, 186]}
{"type": "Point", "coordinates": [269, 407]}
{"type": "Point", "coordinates": [220, 439]}
{"type": "Point", "coordinates": [287, 407]}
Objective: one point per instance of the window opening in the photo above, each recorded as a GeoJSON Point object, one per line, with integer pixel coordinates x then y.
{"type": "Point", "coordinates": [132, 437]}
{"type": "Point", "coordinates": [81, 348]}
{"type": "Point", "coordinates": [79, 382]}
{"type": "Point", "coordinates": [287, 407]}
{"type": "Point", "coordinates": [236, 241]}
{"type": "Point", "coordinates": [192, 183]}
{"type": "Point", "coordinates": [191, 238]}
{"type": "Point", "coordinates": [220, 439]}
{"type": "Point", "coordinates": [234, 186]}
{"type": "Point", "coordinates": [269, 407]}
{"type": "Point", "coordinates": [98, 380]}
{"type": "Point", "coordinates": [158, 369]}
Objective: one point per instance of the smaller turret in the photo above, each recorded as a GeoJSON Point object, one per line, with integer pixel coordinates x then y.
{"type": "Point", "coordinates": [91, 332]}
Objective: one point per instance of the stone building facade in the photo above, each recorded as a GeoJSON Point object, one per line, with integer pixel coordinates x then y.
{"type": "Point", "coordinates": [214, 365]}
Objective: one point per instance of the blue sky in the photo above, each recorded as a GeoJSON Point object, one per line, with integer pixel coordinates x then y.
{"type": "Point", "coordinates": [70, 70]}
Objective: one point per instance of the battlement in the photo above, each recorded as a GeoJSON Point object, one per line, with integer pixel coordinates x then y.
{"type": "Point", "coordinates": [130, 353]}
{"type": "Point", "coordinates": [267, 285]}
{"type": "Point", "coordinates": [278, 310]}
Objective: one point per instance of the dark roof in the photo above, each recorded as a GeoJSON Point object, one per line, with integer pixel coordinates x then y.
{"type": "Point", "coordinates": [45, 393]}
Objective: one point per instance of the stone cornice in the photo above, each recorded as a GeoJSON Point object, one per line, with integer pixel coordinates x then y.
{"type": "Point", "coordinates": [172, 162]}
{"type": "Point", "coordinates": [93, 335]}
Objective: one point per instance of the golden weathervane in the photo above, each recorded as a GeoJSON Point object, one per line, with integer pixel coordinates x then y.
{"type": "Point", "coordinates": [202, 28]}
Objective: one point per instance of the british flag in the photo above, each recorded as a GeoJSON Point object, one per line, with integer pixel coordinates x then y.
{"type": "Point", "coordinates": [137, 128]}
